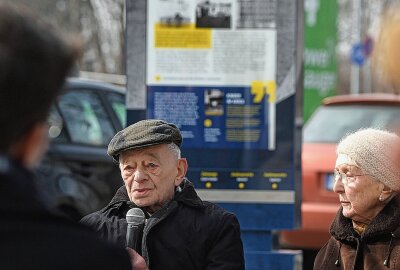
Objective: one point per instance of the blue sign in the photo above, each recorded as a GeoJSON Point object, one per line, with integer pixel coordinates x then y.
{"type": "Point", "coordinates": [212, 117]}
{"type": "Point", "coordinates": [361, 51]}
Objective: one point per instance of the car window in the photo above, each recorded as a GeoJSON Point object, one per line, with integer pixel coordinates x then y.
{"type": "Point", "coordinates": [330, 123]}
{"type": "Point", "coordinates": [117, 102]}
{"type": "Point", "coordinates": [85, 118]}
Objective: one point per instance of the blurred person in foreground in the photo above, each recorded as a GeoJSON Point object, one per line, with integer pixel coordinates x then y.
{"type": "Point", "coordinates": [34, 61]}
{"type": "Point", "coordinates": [181, 232]}
{"type": "Point", "coordinates": [366, 230]}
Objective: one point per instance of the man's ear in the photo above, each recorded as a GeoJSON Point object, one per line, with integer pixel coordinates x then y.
{"type": "Point", "coordinates": [182, 169]}
{"type": "Point", "coordinates": [31, 148]}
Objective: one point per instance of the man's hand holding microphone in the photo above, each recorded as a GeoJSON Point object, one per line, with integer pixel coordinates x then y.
{"type": "Point", "coordinates": [136, 220]}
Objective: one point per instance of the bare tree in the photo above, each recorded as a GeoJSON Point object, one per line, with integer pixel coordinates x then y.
{"type": "Point", "coordinates": [99, 22]}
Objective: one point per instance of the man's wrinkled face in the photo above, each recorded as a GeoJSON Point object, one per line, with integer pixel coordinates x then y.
{"type": "Point", "coordinates": [151, 174]}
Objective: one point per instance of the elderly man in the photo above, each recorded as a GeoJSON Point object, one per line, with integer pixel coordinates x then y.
{"type": "Point", "coordinates": [181, 231]}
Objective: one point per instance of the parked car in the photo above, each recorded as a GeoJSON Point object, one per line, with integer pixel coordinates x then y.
{"type": "Point", "coordinates": [336, 117]}
{"type": "Point", "coordinates": [77, 176]}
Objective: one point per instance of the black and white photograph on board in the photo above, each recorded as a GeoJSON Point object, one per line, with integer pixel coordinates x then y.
{"type": "Point", "coordinates": [214, 14]}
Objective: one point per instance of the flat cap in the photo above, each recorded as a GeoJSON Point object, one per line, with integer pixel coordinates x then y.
{"type": "Point", "coordinates": [142, 134]}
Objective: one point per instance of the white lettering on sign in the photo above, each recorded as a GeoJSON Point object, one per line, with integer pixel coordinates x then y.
{"type": "Point", "coordinates": [323, 82]}
{"type": "Point", "coordinates": [311, 8]}
{"type": "Point", "coordinates": [317, 57]}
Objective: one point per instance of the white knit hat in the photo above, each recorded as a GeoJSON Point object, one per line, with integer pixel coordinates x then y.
{"type": "Point", "coordinates": [376, 152]}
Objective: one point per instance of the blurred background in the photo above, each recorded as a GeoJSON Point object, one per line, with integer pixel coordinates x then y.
{"type": "Point", "coordinates": [339, 46]}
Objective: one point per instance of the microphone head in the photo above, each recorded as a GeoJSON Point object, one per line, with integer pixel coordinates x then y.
{"type": "Point", "coordinates": [135, 216]}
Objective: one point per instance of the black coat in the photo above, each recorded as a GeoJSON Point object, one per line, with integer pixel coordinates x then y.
{"type": "Point", "coordinates": [186, 234]}
{"type": "Point", "coordinates": [32, 237]}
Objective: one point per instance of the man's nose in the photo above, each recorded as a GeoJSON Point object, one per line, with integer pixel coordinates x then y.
{"type": "Point", "coordinates": [140, 175]}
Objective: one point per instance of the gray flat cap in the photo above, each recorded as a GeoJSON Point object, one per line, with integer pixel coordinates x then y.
{"type": "Point", "coordinates": [142, 134]}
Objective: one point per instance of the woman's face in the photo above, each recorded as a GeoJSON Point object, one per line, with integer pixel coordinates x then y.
{"type": "Point", "coordinates": [358, 193]}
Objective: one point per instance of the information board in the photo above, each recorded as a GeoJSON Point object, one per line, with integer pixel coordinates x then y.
{"type": "Point", "coordinates": [227, 73]}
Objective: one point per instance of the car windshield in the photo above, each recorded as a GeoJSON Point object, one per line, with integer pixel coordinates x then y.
{"type": "Point", "coordinates": [330, 123]}
{"type": "Point", "coordinates": [86, 118]}
{"type": "Point", "coordinates": [117, 102]}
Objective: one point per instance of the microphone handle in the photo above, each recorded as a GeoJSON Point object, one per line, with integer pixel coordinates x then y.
{"type": "Point", "coordinates": [134, 234]}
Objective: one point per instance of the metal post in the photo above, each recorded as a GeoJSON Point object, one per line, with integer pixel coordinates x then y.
{"type": "Point", "coordinates": [356, 37]}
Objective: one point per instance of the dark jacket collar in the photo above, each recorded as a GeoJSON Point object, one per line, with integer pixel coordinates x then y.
{"type": "Point", "coordinates": [120, 196]}
{"type": "Point", "coordinates": [386, 222]}
{"type": "Point", "coordinates": [187, 195]}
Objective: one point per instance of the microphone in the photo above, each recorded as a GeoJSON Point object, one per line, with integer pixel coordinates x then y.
{"type": "Point", "coordinates": [135, 219]}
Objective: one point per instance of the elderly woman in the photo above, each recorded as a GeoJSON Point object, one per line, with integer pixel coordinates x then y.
{"type": "Point", "coordinates": [366, 230]}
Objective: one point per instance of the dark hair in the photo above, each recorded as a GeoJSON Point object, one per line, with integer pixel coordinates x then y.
{"type": "Point", "coordinates": [34, 61]}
